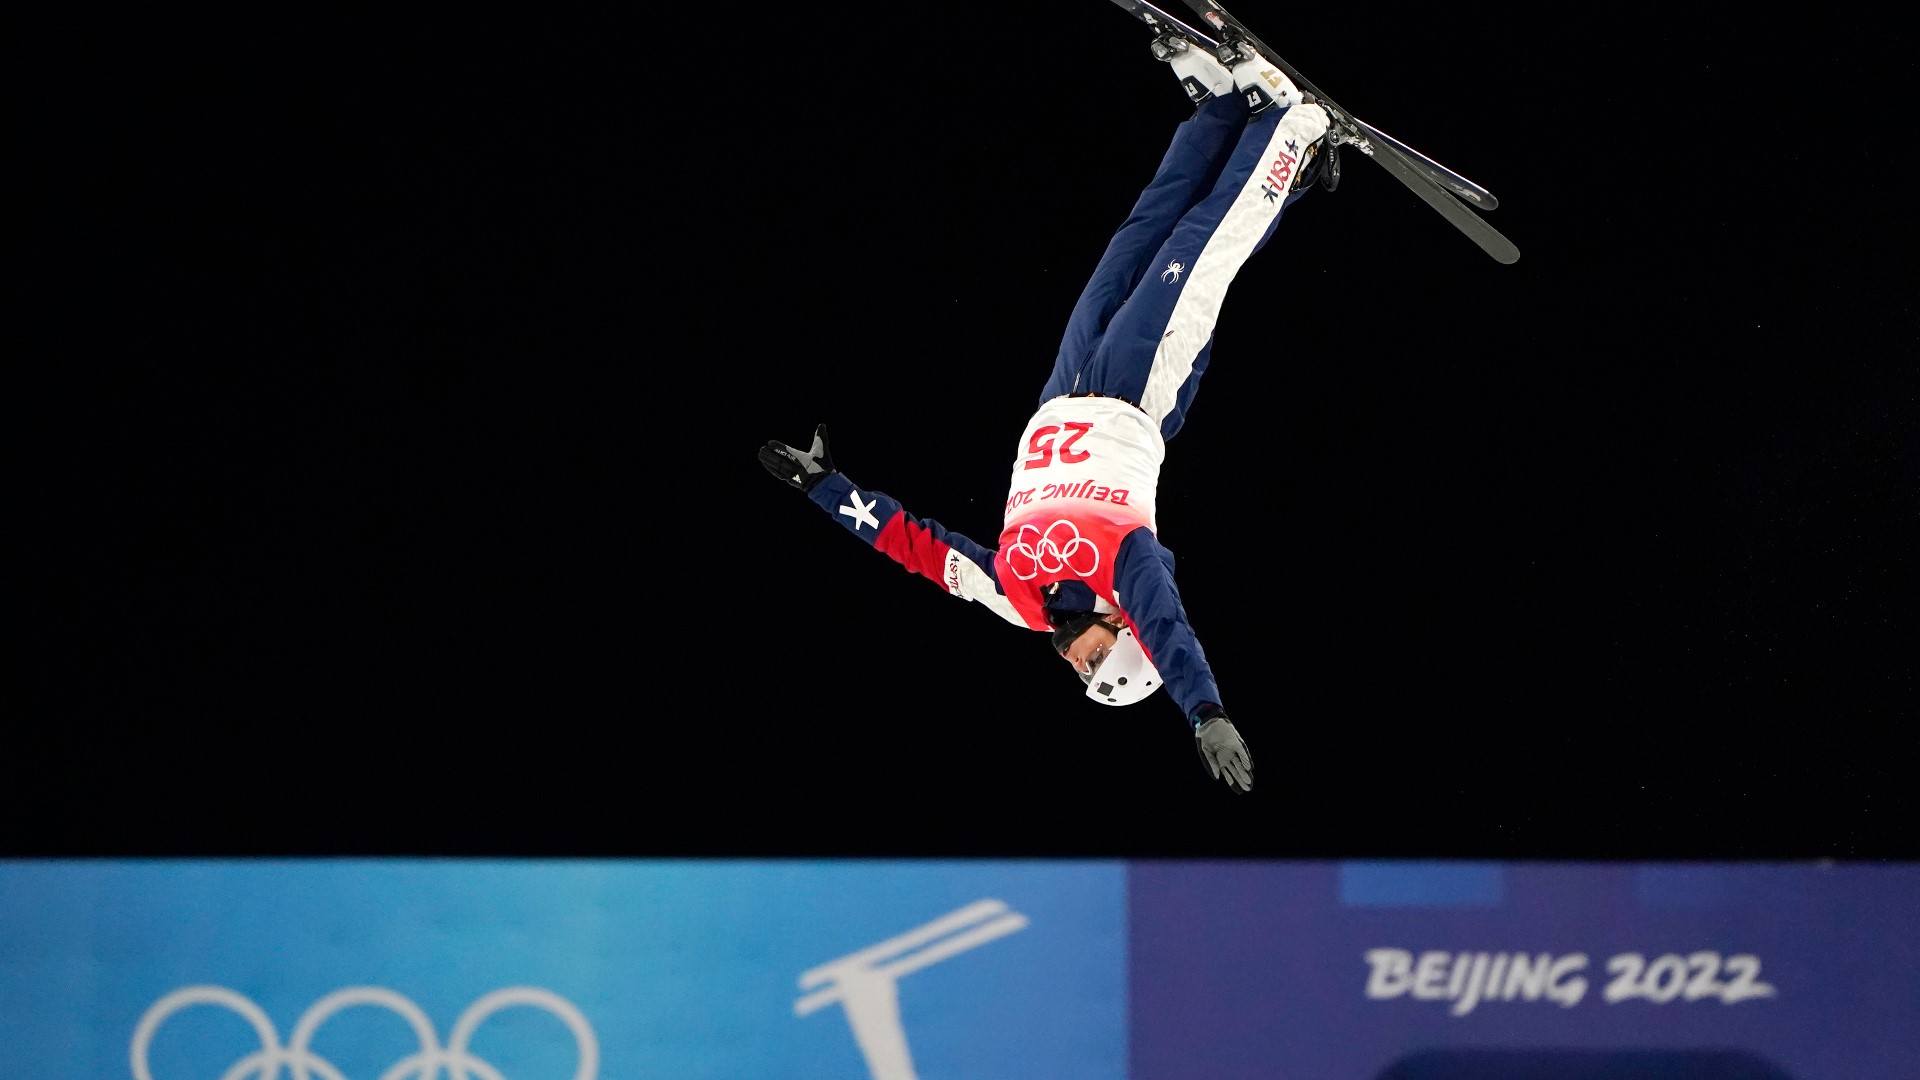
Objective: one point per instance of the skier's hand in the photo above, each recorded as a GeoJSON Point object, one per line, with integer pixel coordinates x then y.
{"type": "Point", "coordinates": [800, 468]}
{"type": "Point", "coordinates": [1224, 752]}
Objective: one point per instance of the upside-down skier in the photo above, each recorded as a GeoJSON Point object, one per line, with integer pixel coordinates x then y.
{"type": "Point", "coordinates": [1078, 555]}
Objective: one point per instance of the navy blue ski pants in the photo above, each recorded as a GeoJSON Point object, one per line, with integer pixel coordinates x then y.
{"type": "Point", "coordinates": [1142, 328]}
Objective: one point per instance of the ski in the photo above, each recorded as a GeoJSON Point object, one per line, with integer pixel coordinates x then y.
{"type": "Point", "coordinates": [1419, 173]}
{"type": "Point", "coordinates": [1226, 26]}
{"type": "Point", "coordinates": [1160, 20]}
{"type": "Point", "coordinates": [1453, 196]}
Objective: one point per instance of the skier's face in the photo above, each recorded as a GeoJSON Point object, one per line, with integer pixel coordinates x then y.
{"type": "Point", "coordinates": [1088, 651]}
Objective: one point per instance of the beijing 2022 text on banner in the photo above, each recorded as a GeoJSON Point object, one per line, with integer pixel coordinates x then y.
{"type": "Point", "coordinates": [1460, 971]}
{"type": "Point", "coordinates": [926, 970]}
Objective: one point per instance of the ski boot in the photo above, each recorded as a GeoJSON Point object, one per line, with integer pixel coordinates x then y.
{"type": "Point", "coordinates": [1324, 154]}
{"type": "Point", "coordinates": [1201, 75]}
{"type": "Point", "coordinates": [1264, 85]}
{"type": "Point", "coordinates": [1322, 160]}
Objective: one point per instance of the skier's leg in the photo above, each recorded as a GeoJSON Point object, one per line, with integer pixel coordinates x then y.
{"type": "Point", "coordinates": [1158, 344]}
{"type": "Point", "coordinates": [1187, 171]}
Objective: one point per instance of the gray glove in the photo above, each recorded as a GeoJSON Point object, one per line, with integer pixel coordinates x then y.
{"type": "Point", "coordinates": [1224, 751]}
{"type": "Point", "coordinates": [801, 468]}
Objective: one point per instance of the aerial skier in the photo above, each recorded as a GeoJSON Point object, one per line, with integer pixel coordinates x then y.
{"type": "Point", "coordinates": [1079, 555]}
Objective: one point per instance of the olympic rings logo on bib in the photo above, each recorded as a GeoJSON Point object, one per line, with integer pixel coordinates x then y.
{"type": "Point", "coordinates": [1059, 547]}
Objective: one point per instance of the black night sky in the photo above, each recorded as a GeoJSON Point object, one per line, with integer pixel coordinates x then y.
{"type": "Point", "coordinates": [400, 495]}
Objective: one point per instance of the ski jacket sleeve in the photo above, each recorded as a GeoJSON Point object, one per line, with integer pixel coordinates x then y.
{"type": "Point", "coordinates": [961, 566]}
{"type": "Point", "coordinates": [1144, 587]}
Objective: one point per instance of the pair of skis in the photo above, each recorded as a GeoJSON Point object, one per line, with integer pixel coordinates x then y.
{"type": "Point", "coordinates": [1454, 196]}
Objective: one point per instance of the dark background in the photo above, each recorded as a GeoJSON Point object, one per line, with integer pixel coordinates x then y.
{"type": "Point", "coordinates": [400, 493]}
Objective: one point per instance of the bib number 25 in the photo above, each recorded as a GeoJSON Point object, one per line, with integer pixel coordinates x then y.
{"type": "Point", "coordinates": [1041, 448]}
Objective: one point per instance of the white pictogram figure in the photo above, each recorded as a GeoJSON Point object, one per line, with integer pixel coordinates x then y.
{"type": "Point", "coordinates": [1172, 273]}
{"type": "Point", "coordinates": [425, 1064]}
{"type": "Point", "coordinates": [1060, 547]}
{"type": "Point", "coordinates": [864, 982]}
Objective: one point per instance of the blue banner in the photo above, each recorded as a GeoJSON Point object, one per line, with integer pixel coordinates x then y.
{"type": "Point", "coordinates": [1487, 971]}
{"type": "Point", "coordinates": [928, 970]}
{"type": "Point", "coordinates": [510, 970]}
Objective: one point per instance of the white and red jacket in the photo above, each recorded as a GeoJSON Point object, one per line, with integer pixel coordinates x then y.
{"type": "Point", "coordinates": [1078, 534]}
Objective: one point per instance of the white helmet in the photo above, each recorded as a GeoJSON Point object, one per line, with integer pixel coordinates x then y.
{"type": "Point", "coordinates": [1126, 675]}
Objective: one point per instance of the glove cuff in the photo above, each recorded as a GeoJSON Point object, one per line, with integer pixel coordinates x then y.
{"type": "Point", "coordinates": [1207, 711]}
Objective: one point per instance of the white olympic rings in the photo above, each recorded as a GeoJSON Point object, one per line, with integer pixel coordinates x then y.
{"type": "Point", "coordinates": [303, 1064]}
{"type": "Point", "coordinates": [1049, 554]}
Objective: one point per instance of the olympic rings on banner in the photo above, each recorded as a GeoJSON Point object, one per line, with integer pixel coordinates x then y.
{"type": "Point", "coordinates": [425, 1064]}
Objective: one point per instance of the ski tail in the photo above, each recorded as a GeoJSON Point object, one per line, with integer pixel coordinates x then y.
{"type": "Point", "coordinates": [1456, 212]}
{"type": "Point", "coordinates": [1480, 198]}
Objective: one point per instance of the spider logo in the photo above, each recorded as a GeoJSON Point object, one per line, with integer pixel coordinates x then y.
{"type": "Point", "coordinates": [1172, 273]}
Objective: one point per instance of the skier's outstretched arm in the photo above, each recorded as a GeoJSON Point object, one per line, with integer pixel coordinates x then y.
{"type": "Point", "coordinates": [961, 566]}
{"type": "Point", "coordinates": [1143, 578]}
